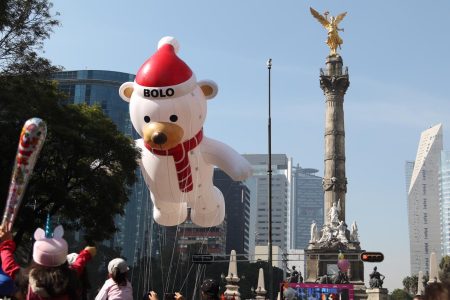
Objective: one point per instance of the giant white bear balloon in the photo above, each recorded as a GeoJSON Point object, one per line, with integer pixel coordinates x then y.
{"type": "Point", "coordinates": [168, 110]}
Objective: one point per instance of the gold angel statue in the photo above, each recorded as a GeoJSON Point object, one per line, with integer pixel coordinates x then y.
{"type": "Point", "coordinates": [331, 25]}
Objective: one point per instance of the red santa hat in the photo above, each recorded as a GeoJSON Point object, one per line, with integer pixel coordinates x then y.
{"type": "Point", "coordinates": [164, 75]}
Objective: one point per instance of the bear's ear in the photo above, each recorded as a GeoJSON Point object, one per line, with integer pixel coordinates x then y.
{"type": "Point", "coordinates": [126, 90]}
{"type": "Point", "coordinates": [209, 88]}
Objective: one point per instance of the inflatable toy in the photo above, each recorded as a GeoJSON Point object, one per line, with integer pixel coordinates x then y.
{"type": "Point", "coordinates": [168, 109]}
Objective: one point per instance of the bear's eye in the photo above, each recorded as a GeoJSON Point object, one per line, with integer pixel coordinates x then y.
{"type": "Point", "coordinates": [147, 119]}
{"type": "Point", "coordinates": [173, 118]}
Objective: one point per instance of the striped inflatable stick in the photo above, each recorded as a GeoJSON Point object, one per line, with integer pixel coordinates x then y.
{"type": "Point", "coordinates": [30, 144]}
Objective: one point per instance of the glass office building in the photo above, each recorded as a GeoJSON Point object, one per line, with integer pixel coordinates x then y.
{"type": "Point", "coordinates": [307, 205]}
{"type": "Point", "coordinates": [102, 88]}
{"type": "Point", "coordinates": [258, 185]}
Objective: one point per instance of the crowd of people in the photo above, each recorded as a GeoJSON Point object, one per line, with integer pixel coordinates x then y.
{"type": "Point", "coordinates": [54, 274]}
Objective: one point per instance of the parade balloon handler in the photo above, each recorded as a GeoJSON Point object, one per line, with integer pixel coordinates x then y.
{"type": "Point", "coordinates": [49, 276]}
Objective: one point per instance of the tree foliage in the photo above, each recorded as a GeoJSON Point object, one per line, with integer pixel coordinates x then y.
{"type": "Point", "coordinates": [444, 269]}
{"type": "Point", "coordinates": [410, 284]}
{"type": "Point", "coordinates": [24, 25]}
{"type": "Point", "coordinates": [85, 167]}
{"type": "Point", "coordinates": [399, 294]}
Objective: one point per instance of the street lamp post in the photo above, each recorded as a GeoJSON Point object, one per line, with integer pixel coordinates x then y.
{"type": "Point", "coordinates": [269, 172]}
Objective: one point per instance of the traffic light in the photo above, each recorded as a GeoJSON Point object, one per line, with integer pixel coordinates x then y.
{"type": "Point", "coordinates": [372, 257]}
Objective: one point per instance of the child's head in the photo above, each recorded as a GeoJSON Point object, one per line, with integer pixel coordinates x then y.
{"type": "Point", "coordinates": [49, 274]}
{"type": "Point", "coordinates": [117, 269]}
{"type": "Point", "coordinates": [210, 289]}
{"type": "Point", "coordinates": [52, 281]}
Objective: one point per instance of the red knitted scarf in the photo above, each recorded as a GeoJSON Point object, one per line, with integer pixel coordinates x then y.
{"type": "Point", "coordinates": [180, 155]}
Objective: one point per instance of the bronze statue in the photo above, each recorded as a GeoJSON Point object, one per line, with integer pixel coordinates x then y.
{"type": "Point", "coordinates": [376, 279]}
{"type": "Point", "coordinates": [331, 25]}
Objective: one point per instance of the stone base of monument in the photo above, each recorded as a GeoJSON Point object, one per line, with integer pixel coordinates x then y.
{"type": "Point", "coordinates": [359, 291]}
{"type": "Point", "coordinates": [377, 294]}
{"type": "Point", "coordinates": [319, 262]}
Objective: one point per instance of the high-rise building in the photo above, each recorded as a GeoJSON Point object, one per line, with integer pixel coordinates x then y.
{"type": "Point", "coordinates": [237, 211]}
{"type": "Point", "coordinates": [101, 88]}
{"type": "Point", "coordinates": [409, 167]}
{"type": "Point", "coordinates": [307, 205]}
{"type": "Point", "coordinates": [423, 200]}
{"type": "Point", "coordinates": [444, 193]}
{"type": "Point", "coordinates": [259, 199]}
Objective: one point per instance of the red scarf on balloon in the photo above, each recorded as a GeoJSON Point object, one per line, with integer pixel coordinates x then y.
{"type": "Point", "coordinates": [180, 155]}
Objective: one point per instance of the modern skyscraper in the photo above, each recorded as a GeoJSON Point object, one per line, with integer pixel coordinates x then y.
{"type": "Point", "coordinates": [101, 87]}
{"type": "Point", "coordinates": [409, 167]}
{"type": "Point", "coordinates": [423, 200]}
{"type": "Point", "coordinates": [307, 205]}
{"type": "Point", "coordinates": [237, 211]}
{"type": "Point", "coordinates": [444, 194]}
{"type": "Point", "coordinates": [259, 195]}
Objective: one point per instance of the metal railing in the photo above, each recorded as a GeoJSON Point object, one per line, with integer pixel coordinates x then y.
{"type": "Point", "coordinates": [339, 71]}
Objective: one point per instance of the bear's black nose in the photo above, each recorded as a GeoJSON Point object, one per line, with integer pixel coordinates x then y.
{"type": "Point", "coordinates": [159, 138]}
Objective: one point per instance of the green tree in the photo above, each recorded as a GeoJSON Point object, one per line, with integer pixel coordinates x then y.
{"type": "Point", "coordinates": [410, 284]}
{"type": "Point", "coordinates": [399, 294]}
{"type": "Point", "coordinates": [24, 25]}
{"type": "Point", "coordinates": [85, 167]}
{"type": "Point", "coordinates": [444, 266]}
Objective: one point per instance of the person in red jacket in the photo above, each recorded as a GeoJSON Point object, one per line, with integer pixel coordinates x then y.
{"type": "Point", "coordinates": [49, 276]}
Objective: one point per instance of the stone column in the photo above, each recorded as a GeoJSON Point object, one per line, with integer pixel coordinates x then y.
{"type": "Point", "coordinates": [232, 287]}
{"type": "Point", "coordinates": [434, 267]}
{"type": "Point", "coordinates": [261, 290]}
{"type": "Point", "coordinates": [420, 285]}
{"type": "Point", "coordinates": [334, 82]}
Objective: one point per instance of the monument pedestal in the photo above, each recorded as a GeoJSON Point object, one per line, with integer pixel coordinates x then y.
{"type": "Point", "coordinates": [377, 294]}
{"type": "Point", "coordinates": [323, 261]}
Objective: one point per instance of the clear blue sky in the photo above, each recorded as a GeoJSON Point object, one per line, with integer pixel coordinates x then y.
{"type": "Point", "coordinates": [398, 58]}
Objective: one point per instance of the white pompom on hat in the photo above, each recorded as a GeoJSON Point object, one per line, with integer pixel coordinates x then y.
{"type": "Point", "coordinates": [164, 75]}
